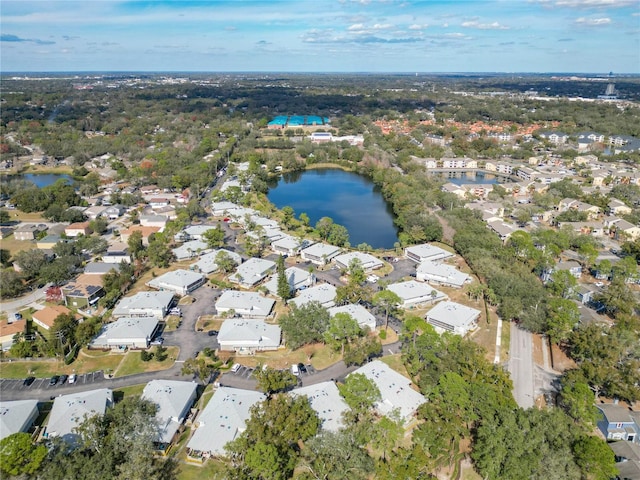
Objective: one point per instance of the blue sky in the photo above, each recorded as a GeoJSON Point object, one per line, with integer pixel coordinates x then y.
{"type": "Point", "coordinates": [321, 35]}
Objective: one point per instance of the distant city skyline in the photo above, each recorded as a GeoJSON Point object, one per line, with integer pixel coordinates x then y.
{"type": "Point", "coordinates": [404, 36]}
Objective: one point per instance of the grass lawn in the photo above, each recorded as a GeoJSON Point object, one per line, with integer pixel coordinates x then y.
{"type": "Point", "coordinates": [395, 362]}
{"type": "Point", "coordinates": [209, 322]}
{"type": "Point", "coordinates": [172, 323]}
{"type": "Point", "coordinates": [42, 369]}
{"type": "Point", "coordinates": [132, 363]}
{"type": "Point", "coordinates": [87, 361]}
{"type": "Point", "coordinates": [211, 470]}
{"type": "Point", "coordinates": [14, 246]}
{"type": "Point", "coordinates": [131, 391]}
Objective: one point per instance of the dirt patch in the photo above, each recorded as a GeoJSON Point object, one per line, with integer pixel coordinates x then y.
{"type": "Point", "coordinates": [560, 361]}
{"type": "Point", "coordinates": [538, 352]}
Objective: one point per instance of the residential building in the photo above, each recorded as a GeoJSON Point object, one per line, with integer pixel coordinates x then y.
{"type": "Point", "coordinates": [619, 422]}
{"type": "Point", "coordinates": [571, 265]}
{"type": "Point", "coordinates": [502, 229]}
{"type": "Point", "coordinates": [245, 304]}
{"type": "Point", "coordinates": [96, 211]}
{"type": "Point", "coordinates": [17, 416]}
{"type": "Point", "coordinates": [69, 411]}
{"type": "Point", "coordinates": [181, 282]}
{"type": "Point", "coordinates": [190, 249]}
{"type": "Point", "coordinates": [207, 262]}
{"type": "Point", "coordinates": [287, 245]}
{"type": "Point", "coordinates": [145, 231]}
{"type": "Point", "coordinates": [83, 292]}
{"type": "Point", "coordinates": [325, 399]}
{"type": "Point", "coordinates": [46, 317]}
{"type": "Point", "coordinates": [223, 420]}
{"type": "Point", "coordinates": [28, 231]}
{"type": "Point", "coordinates": [453, 317]}
{"type": "Point", "coordinates": [78, 228]}
{"type": "Point", "coordinates": [618, 207]}
{"type": "Point", "coordinates": [319, 253]}
{"type": "Point", "coordinates": [297, 279]}
{"type": "Point", "coordinates": [426, 251]}
{"type": "Point", "coordinates": [117, 253]}
{"type": "Point", "coordinates": [627, 456]}
{"type": "Point", "coordinates": [48, 242]}
{"type": "Point", "coordinates": [154, 220]}
{"type": "Point", "coordinates": [196, 232]}
{"type": "Point", "coordinates": [174, 400]}
{"type": "Point", "coordinates": [626, 231]}
{"type": "Point", "coordinates": [367, 261]}
{"type": "Point", "coordinates": [360, 314]}
{"type": "Point", "coordinates": [397, 392]}
{"type": "Point", "coordinates": [252, 272]}
{"type": "Point", "coordinates": [100, 268]}
{"type": "Point", "coordinates": [220, 209]}
{"type": "Point", "coordinates": [126, 332]}
{"type": "Point", "coordinates": [114, 212]}
{"type": "Point", "coordinates": [441, 274]}
{"type": "Point", "coordinates": [414, 293]}
{"type": "Point", "coordinates": [8, 331]}
{"type": "Point", "coordinates": [246, 337]}
{"type": "Point", "coordinates": [144, 304]}
{"type": "Point", "coordinates": [323, 293]}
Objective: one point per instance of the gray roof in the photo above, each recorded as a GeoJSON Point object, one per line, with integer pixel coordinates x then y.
{"type": "Point", "coordinates": [442, 273]}
{"type": "Point", "coordinates": [223, 419]}
{"type": "Point", "coordinates": [17, 416]}
{"type": "Point", "coordinates": [252, 271]}
{"type": "Point", "coordinates": [69, 411]}
{"type": "Point", "coordinates": [207, 262]}
{"type": "Point", "coordinates": [358, 313]}
{"type": "Point", "coordinates": [126, 330]}
{"type": "Point", "coordinates": [99, 268]}
{"type": "Point", "coordinates": [238, 332]}
{"type": "Point", "coordinates": [176, 279]}
{"type": "Point", "coordinates": [287, 242]}
{"type": "Point", "coordinates": [323, 293]}
{"type": "Point", "coordinates": [396, 390]}
{"type": "Point", "coordinates": [296, 277]}
{"type": "Point", "coordinates": [142, 302]}
{"type": "Point", "coordinates": [426, 251]}
{"type": "Point", "coordinates": [249, 303]}
{"type": "Point", "coordinates": [411, 291]}
{"type": "Point", "coordinates": [174, 398]}
{"type": "Point", "coordinates": [320, 250]}
{"type": "Point", "coordinates": [367, 260]}
{"type": "Point", "coordinates": [198, 230]}
{"type": "Point", "coordinates": [326, 401]}
{"type": "Point", "coordinates": [190, 249]}
{"type": "Point", "coordinates": [616, 413]}
{"type": "Point", "coordinates": [455, 315]}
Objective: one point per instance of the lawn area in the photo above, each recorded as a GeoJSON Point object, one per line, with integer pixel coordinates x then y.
{"type": "Point", "coordinates": [395, 362]}
{"type": "Point", "coordinates": [131, 391]}
{"type": "Point", "coordinates": [43, 369]}
{"type": "Point", "coordinates": [14, 246]}
{"type": "Point", "coordinates": [87, 361]}
{"type": "Point", "coordinates": [172, 323]}
{"type": "Point", "coordinates": [208, 322]}
{"type": "Point", "coordinates": [211, 470]}
{"type": "Point", "coordinates": [132, 363]}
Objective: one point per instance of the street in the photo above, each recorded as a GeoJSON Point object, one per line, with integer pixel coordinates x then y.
{"type": "Point", "coordinates": [521, 366]}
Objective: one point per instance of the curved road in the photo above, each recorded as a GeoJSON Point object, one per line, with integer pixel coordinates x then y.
{"type": "Point", "coordinates": [18, 304]}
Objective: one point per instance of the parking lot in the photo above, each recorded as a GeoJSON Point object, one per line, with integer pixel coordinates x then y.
{"type": "Point", "coordinates": [41, 385]}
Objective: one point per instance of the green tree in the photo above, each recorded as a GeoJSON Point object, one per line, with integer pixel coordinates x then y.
{"type": "Point", "coordinates": [595, 458]}
{"type": "Point", "coordinates": [388, 301]}
{"type": "Point", "coordinates": [577, 399]}
{"type": "Point", "coordinates": [10, 283]}
{"type": "Point", "coordinates": [338, 235]}
{"type": "Point", "coordinates": [562, 316]}
{"type": "Point", "coordinates": [271, 380]}
{"type": "Point", "coordinates": [617, 298]}
{"type": "Point", "coordinates": [356, 272]}
{"type": "Point", "coordinates": [305, 324]}
{"type": "Point", "coordinates": [284, 289]}
{"type": "Point", "coordinates": [214, 237]}
{"type": "Point", "coordinates": [360, 393]}
{"type": "Point", "coordinates": [19, 456]}
{"type": "Point", "coordinates": [159, 252]}
{"type": "Point", "coordinates": [136, 248]}
{"type": "Point", "coordinates": [30, 262]}
{"type": "Point", "coordinates": [287, 215]}
{"type": "Point", "coordinates": [562, 284]}
{"type": "Point", "coordinates": [323, 227]}
{"type": "Point", "coordinates": [343, 329]}
{"type": "Point", "coordinates": [225, 262]}
{"type": "Point", "coordinates": [99, 225]}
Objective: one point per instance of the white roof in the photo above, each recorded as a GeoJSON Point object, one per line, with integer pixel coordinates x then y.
{"type": "Point", "coordinates": [151, 301]}
{"type": "Point", "coordinates": [224, 206]}
{"type": "Point", "coordinates": [223, 419]}
{"type": "Point", "coordinates": [125, 330]}
{"type": "Point", "coordinates": [238, 332]}
{"type": "Point", "coordinates": [367, 260]}
{"type": "Point", "coordinates": [320, 250]}
{"type": "Point", "coordinates": [323, 293]}
{"type": "Point", "coordinates": [177, 278]}
{"type": "Point", "coordinates": [296, 277]}
{"type": "Point", "coordinates": [69, 411]}
{"type": "Point", "coordinates": [326, 401]}
{"type": "Point", "coordinates": [252, 271]}
{"type": "Point", "coordinates": [413, 290]}
{"type": "Point", "coordinates": [207, 263]}
{"type": "Point", "coordinates": [458, 316]}
{"type": "Point", "coordinates": [174, 398]}
{"type": "Point", "coordinates": [249, 302]}
{"type": "Point", "coordinates": [196, 230]}
{"type": "Point", "coordinates": [442, 273]}
{"type": "Point", "coordinates": [396, 390]}
{"type": "Point", "coordinates": [17, 416]}
{"type": "Point", "coordinates": [358, 313]}
{"type": "Point", "coordinates": [188, 249]}
{"type": "Point", "coordinates": [426, 251]}
{"type": "Point", "coordinates": [287, 242]}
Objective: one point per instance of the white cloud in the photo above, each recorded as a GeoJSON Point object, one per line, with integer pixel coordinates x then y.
{"type": "Point", "coordinates": [416, 26]}
{"type": "Point", "coordinates": [595, 3]}
{"type": "Point", "coordinates": [593, 22]}
{"type": "Point", "coordinates": [356, 27]}
{"type": "Point", "coordinates": [484, 26]}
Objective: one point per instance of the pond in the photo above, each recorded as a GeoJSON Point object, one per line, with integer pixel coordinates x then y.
{"type": "Point", "coordinates": [43, 179]}
{"type": "Point", "coordinates": [348, 198]}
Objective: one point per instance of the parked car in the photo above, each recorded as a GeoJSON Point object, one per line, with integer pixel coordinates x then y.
{"type": "Point", "coordinates": [213, 333]}
{"type": "Point", "coordinates": [53, 380]}
{"type": "Point", "coordinates": [157, 341]}
{"type": "Point", "coordinates": [235, 368]}
{"type": "Point", "coordinates": [17, 316]}
{"type": "Point", "coordinates": [72, 378]}
{"type": "Point", "coordinates": [302, 368]}
{"type": "Point", "coordinates": [295, 370]}
{"type": "Point", "coordinates": [28, 381]}
{"type": "Point", "coordinates": [63, 378]}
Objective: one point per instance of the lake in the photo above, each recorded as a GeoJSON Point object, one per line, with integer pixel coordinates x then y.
{"type": "Point", "coordinates": [43, 179]}
{"type": "Point", "coordinates": [348, 198]}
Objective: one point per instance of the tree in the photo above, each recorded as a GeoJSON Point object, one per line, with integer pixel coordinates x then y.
{"type": "Point", "coordinates": [287, 215]}
{"type": "Point", "coordinates": [323, 227]}
{"type": "Point", "coordinates": [19, 455]}
{"type": "Point", "coordinates": [577, 399]}
{"type": "Point", "coordinates": [305, 324]}
{"type": "Point", "coordinates": [271, 380]}
{"type": "Point", "coordinates": [338, 235]}
{"type": "Point", "coordinates": [99, 225]}
{"type": "Point", "coordinates": [562, 284]}
{"type": "Point", "coordinates": [595, 458]}
{"type": "Point", "coordinates": [387, 300]}
{"type": "Point", "coordinates": [343, 328]}
{"type": "Point", "coordinates": [617, 298]}
{"type": "Point", "coordinates": [335, 456]}
{"type": "Point", "coordinates": [562, 316]}
{"type": "Point", "coordinates": [30, 262]}
{"type": "Point", "coordinates": [159, 252]}
{"type": "Point", "coordinates": [284, 289]}
{"type": "Point", "coordinates": [361, 350]}
{"type": "Point", "coordinates": [359, 392]}
{"type": "Point", "coordinates": [214, 237]}
{"type": "Point", "coordinates": [136, 248]}
{"type": "Point", "coordinates": [10, 283]}
{"type": "Point", "coordinates": [356, 271]}
{"type": "Point", "coordinates": [4, 216]}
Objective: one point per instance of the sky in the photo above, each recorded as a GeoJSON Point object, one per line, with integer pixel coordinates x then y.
{"type": "Point", "coordinates": [426, 36]}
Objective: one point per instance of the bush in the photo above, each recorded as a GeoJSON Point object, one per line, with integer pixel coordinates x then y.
{"type": "Point", "coordinates": [383, 334]}
{"type": "Point", "coordinates": [145, 355]}
{"type": "Point", "coordinates": [71, 356]}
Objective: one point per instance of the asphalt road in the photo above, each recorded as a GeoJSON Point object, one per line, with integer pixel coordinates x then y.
{"type": "Point", "coordinates": [15, 305]}
{"type": "Point", "coordinates": [521, 366]}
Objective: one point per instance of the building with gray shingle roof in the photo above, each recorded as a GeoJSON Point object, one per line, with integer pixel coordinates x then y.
{"type": "Point", "coordinates": [17, 416]}
{"type": "Point", "coordinates": [248, 336]}
{"type": "Point", "coordinates": [252, 272]}
{"type": "Point", "coordinates": [322, 293]}
{"type": "Point", "coordinates": [396, 390]}
{"type": "Point", "coordinates": [69, 411]}
{"type": "Point", "coordinates": [453, 317]}
{"type": "Point", "coordinates": [174, 400]}
{"type": "Point", "coordinates": [144, 304]}
{"type": "Point", "coordinates": [126, 332]}
{"type": "Point", "coordinates": [181, 282]}
{"type": "Point", "coordinates": [245, 304]}
{"type": "Point", "coordinates": [325, 399]}
{"type": "Point", "coordinates": [222, 420]}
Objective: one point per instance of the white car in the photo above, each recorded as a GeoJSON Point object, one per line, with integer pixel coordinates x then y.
{"type": "Point", "coordinates": [235, 368]}
{"type": "Point", "coordinates": [295, 370]}
{"type": "Point", "coordinates": [72, 378]}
